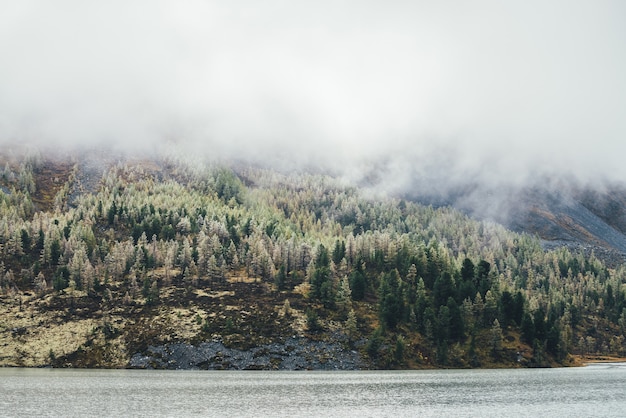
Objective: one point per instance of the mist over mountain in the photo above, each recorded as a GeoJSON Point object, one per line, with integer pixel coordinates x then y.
{"type": "Point", "coordinates": [515, 89]}
{"type": "Point", "coordinates": [561, 210]}
{"type": "Point", "coordinates": [508, 112]}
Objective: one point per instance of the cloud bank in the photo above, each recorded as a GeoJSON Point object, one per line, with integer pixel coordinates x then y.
{"type": "Point", "coordinates": [449, 89]}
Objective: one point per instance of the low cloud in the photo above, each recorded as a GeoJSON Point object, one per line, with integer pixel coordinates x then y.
{"type": "Point", "coordinates": [447, 91]}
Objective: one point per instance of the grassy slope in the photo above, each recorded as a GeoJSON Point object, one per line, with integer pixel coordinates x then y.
{"type": "Point", "coordinates": [71, 329]}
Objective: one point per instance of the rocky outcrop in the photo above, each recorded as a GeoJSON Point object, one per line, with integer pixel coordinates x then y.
{"type": "Point", "coordinates": [296, 353]}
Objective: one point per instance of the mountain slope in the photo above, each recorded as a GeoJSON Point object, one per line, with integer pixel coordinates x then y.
{"type": "Point", "coordinates": [561, 213]}
{"type": "Point", "coordinates": [166, 263]}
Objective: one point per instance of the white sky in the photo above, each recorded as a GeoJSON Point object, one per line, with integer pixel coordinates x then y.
{"type": "Point", "coordinates": [519, 86]}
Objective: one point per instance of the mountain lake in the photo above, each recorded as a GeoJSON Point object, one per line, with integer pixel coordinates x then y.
{"type": "Point", "coordinates": [594, 390]}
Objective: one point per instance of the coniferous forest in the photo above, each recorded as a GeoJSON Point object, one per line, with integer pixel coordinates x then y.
{"type": "Point", "coordinates": [105, 259]}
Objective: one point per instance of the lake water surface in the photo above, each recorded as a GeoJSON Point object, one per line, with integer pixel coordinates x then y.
{"type": "Point", "coordinates": [596, 390]}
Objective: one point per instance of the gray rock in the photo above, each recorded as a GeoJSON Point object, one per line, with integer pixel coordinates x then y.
{"type": "Point", "coordinates": [295, 353]}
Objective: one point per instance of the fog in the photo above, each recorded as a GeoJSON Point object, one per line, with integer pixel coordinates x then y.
{"type": "Point", "coordinates": [393, 92]}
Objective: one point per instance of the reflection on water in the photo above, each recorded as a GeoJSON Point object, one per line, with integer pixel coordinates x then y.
{"type": "Point", "coordinates": [596, 390]}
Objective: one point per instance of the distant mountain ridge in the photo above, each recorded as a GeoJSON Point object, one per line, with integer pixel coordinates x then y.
{"type": "Point", "coordinates": [561, 213]}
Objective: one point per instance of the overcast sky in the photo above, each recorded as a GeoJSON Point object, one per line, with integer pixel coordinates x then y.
{"type": "Point", "coordinates": [519, 86]}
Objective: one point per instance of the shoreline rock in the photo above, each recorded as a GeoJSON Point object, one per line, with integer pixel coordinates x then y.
{"type": "Point", "coordinates": [296, 353]}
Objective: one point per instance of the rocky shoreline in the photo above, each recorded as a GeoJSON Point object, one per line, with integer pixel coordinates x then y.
{"type": "Point", "coordinates": [295, 353]}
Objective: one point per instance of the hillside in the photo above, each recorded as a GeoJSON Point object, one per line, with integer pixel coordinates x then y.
{"type": "Point", "coordinates": [589, 218]}
{"type": "Point", "coordinates": [112, 261]}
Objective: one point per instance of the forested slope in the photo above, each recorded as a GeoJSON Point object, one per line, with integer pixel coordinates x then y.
{"type": "Point", "coordinates": [163, 251]}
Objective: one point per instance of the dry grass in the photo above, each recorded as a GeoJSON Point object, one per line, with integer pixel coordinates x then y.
{"type": "Point", "coordinates": [242, 279]}
{"type": "Point", "coordinates": [579, 360]}
{"type": "Point", "coordinates": [28, 336]}
{"type": "Point", "coordinates": [71, 328]}
{"type": "Point", "coordinates": [49, 180]}
{"type": "Point", "coordinates": [186, 320]}
{"type": "Point", "coordinates": [214, 294]}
